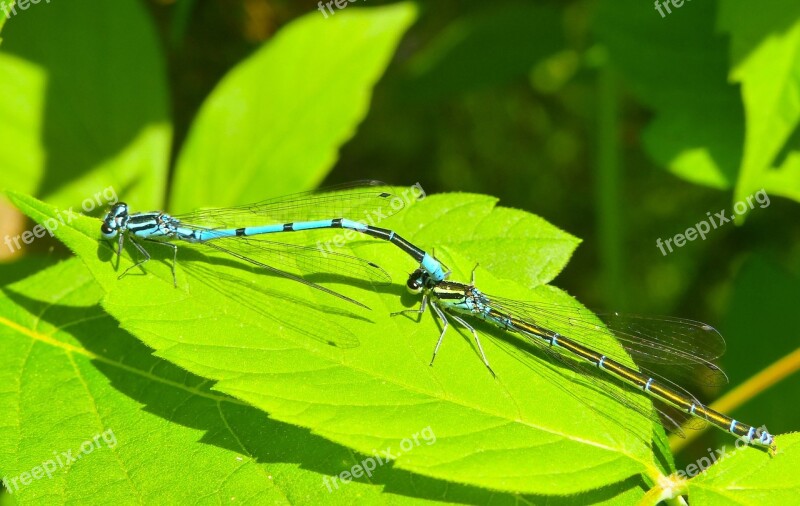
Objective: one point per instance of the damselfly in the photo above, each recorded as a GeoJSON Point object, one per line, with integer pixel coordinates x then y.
{"type": "Point", "coordinates": [231, 230]}
{"type": "Point", "coordinates": [681, 345]}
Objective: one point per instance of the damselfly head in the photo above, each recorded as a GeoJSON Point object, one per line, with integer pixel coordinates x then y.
{"type": "Point", "coordinates": [418, 281]}
{"type": "Point", "coordinates": [115, 219]}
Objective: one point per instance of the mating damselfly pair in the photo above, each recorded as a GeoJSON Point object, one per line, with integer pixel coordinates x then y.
{"type": "Point", "coordinates": [667, 351]}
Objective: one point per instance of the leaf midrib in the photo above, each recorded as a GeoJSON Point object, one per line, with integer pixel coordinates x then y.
{"type": "Point", "coordinates": [69, 348]}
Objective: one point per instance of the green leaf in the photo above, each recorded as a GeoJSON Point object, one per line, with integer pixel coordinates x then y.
{"type": "Point", "coordinates": [70, 373]}
{"type": "Point", "coordinates": [745, 477]}
{"type": "Point", "coordinates": [23, 88]}
{"type": "Point", "coordinates": [287, 109]}
{"type": "Point", "coordinates": [765, 58]}
{"type": "Point", "coordinates": [531, 426]}
{"type": "Point", "coordinates": [8, 4]}
{"type": "Point", "coordinates": [84, 107]}
{"type": "Point", "coordinates": [783, 181]}
{"type": "Point", "coordinates": [510, 243]}
{"type": "Point", "coordinates": [698, 127]}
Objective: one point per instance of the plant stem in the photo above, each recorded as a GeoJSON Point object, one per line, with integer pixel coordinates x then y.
{"type": "Point", "coordinates": [607, 185]}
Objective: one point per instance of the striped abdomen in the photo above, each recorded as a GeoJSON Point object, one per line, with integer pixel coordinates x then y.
{"type": "Point", "coordinates": [648, 384]}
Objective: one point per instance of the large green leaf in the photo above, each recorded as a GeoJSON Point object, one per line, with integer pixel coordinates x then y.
{"type": "Point", "coordinates": [23, 88]}
{"type": "Point", "coordinates": [287, 109]}
{"type": "Point", "coordinates": [765, 54]}
{"type": "Point", "coordinates": [531, 426]}
{"type": "Point", "coordinates": [69, 373]}
{"type": "Point", "coordinates": [537, 251]}
{"type": "Point", "coordinates": [83, 107]}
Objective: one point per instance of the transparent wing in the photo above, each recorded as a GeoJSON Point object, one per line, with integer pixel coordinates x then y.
{"type": "Point", "coordinates": [283, 273]}
{"type": "Point", "coordinates": [681, 349]}
{"type": "Point", "coordinates": [555, 360]}
{"type": "Point", "coordinates": [367, 201]}
{"type": "Point", "coordinates": [674, 351]}
{"type": "Point", "coordinates": [296, 314]}
{"type": "Point", "coordinates": [306, 260]}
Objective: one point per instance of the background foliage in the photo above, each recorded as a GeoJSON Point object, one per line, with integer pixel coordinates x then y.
{"type": "Point", "coordinates": [610, 122]}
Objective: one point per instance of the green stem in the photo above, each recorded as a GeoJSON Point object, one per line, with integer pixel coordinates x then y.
{"type": "Point", "coordinates": [608, 182]}
{"type": "Point", "coordinates": [180, 22]}
{"type": "Point", "coordinates": [669, 490]}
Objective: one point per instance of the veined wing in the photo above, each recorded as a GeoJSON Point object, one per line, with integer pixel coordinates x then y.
{"type": "Point", "coordinates": [681, 349]}
{"type": "Point", "coordinates": [367, 201]}
{"type": "Point", "coordinates": [645, 339]}
{"type": "Point", "coordinates": [307, 260]}
{"type": "Point", "coordinates": [296, 314]}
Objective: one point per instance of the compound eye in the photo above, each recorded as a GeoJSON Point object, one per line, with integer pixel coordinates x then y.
{"type": "Point", "coordinates": [413, 285]}
{"type": "Point", "coordinates": [107, 231]}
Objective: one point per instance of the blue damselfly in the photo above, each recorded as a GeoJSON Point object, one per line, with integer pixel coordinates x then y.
{"type": "Point", "coordinates": [232, 230]}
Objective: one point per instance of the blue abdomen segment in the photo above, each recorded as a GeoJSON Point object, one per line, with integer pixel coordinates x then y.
{"type": "Point", "coordinates": [298, 226]}
{"type": "Point", "coordinates": [427, 262]}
